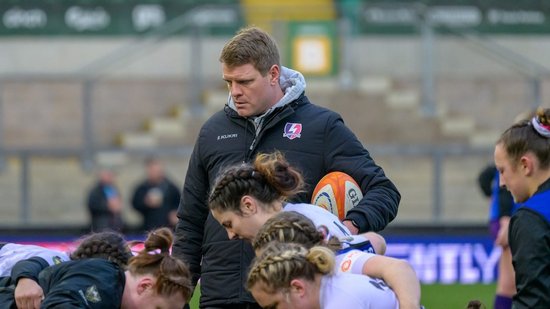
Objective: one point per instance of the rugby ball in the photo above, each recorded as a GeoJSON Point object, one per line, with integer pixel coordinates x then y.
{"type": "Point", "coordinates": [337, 192]}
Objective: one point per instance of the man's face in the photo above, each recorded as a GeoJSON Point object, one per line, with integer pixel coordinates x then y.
{"type": "Point", "coordinates": [511, 175]}
{"type": "Point", "coordinates": [252, 93]}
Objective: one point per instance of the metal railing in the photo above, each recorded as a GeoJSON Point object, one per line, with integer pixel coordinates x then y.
{"type": "Point", "coordinates": [436, 155]}
{"type": "Point", "coordinates": [533, 72]}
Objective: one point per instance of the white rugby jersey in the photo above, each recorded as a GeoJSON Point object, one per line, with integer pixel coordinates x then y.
{"type": "Point", "coordinates": [356, 291]}
{"type": "Point", "coordinates": [323, 217]}
{"type": "Point", "coordinates": [320, 216]}
{"type": "Point", "coordinates": [352, 261]}
{"type": "Point", "coordinates": [10, 254]}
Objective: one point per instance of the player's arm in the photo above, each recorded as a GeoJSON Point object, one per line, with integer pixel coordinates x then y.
{"type": "Point", "coordinates": [192, 214]}
{"type": "Point", "coordinates": [28, 294]}
{"type": "Point", "coordinates": [83, 290]}
{"type": "Point", "coordinates": [397, 274]}
{"type": "Point", "coordinates": [344, 152]}
{"type": "Point", "coordinates": [29, 268]}
{"type": "Point", "coordinates": [502, 236]}
{"type": "Point", "coordinates": [377, 241]}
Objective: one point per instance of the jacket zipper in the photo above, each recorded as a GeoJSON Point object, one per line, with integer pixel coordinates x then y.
{"type": "Point", "coordinates": [267, 125]}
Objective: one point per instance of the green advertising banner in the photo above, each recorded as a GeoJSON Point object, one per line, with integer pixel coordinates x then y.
{"type": "Point", "coordinates": [489, 16]}
{"type": "Point", "coordinates": [115, 17]}
{"type": "Point", "coordinates": [132, 17]}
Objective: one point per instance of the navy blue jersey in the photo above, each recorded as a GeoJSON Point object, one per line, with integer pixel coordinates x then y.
{"type": "Point", "coordinates": [529, 238]}
{"type": "Point", "coordinates": [88, 283]}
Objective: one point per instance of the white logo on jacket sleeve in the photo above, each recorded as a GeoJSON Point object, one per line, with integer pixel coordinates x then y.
{"type": "Point", "coordinates": [292, 130]}
{"type": "Point", "coordinates": [91, 295]}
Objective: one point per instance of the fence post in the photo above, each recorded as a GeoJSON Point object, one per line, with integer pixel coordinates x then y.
{"type": "Point", "coordinates": [536, 99]}
{"type": "Point", "coordinates": [2, 154]}
{"type": "Point", "coordinates": [87, 123]}
{"type": "Point", "coordinates": [25, 207]}
{"type": "Point", "coordinates": [427, 67]}
{"type": "Point", "coordinates": [437, 185]}
{"type": "Point", "coordinates": [346, 73]}
{"type": "Point", "coordinates": [196, 70]}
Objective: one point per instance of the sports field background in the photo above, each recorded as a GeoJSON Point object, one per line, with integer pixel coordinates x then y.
{"type": "Point", "coordinates": [437, 296]}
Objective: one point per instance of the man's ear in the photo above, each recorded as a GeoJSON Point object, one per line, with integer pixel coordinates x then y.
{"type": "Point", "coordinates": [144, 284]}
{"type": "Point", "coordinates": [274, 73]}
{"type": "Point", "coordinates": [248, 205]}
{"type": "Point", "coordinates": [298, 287]}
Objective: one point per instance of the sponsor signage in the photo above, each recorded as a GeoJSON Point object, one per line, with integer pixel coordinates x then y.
{"type": "Point", "coordinates": [131, 17]}
{"type": "Point", "coordinates": [394, 17]}
{"type": "Point", "coordinates": [436, 259]}
{"type": "Point", "coordinates": [447, 259]}
{"type": "Point", "coordinates": [112, 17]}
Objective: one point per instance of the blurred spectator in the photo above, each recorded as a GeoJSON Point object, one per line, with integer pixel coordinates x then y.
{"type": "Point", "coordinates": [156, 198]}
{"type": "Point", "coordinates": [105, 203]}
{"type": "Point", "coordinates": [501, 209]}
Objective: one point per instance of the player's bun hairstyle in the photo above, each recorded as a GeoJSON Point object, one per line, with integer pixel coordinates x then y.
{"type": "Point", "coordinates": [268, 179]}
{"type": "Point", "coordinates": [106, 245]}
{"type": "Point", "coordinates": [531, 135]}
{"type": "Point", "coordinates": [173, 276]}
{"type": "Point", "coordinates": [291, 226]}
{"type": "Point", "coordinates": [280, 263]}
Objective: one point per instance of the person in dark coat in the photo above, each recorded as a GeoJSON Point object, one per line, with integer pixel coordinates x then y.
{"type": "Point", "coordinates": [501, 208]}
{"type": "Point", "coordinates": [267, 110]}
{"type": "Point", "coordinates": [156, 198]}
{"type": "Point", "coordinates": [105, 203]}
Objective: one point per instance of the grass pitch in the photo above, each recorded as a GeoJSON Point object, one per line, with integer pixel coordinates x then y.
{"type": "Point", "coordinates": [436, 296]}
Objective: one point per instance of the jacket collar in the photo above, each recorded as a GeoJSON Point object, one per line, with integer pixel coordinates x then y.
{"type": "Point", "coordinates": [293, 85]}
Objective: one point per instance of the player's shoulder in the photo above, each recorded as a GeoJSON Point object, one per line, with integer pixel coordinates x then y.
{"type": "Point", "coordinates": [345, 288]}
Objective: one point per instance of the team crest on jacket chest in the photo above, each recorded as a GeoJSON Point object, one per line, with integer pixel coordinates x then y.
{"type": "Point", "coordinates": [292, 130]}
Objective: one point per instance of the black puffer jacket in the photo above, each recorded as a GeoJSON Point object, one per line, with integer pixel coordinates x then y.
{"type": "Point", "coordinates": [529, 239]}
{"type": "Point", "coordinates": [315, 140]}
{"type": "Point", "coordinates": [87, 283]}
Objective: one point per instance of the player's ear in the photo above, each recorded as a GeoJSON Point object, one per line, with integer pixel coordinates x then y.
{"type": "Point", "coordinates": [527, 164]}
{"type": "Point", "coordinates": [144, 284]}
{"type": "Point", "coordinates": [248, 205]}
{"type": "Point", "coordinates": [297, 287]}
